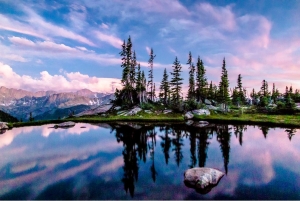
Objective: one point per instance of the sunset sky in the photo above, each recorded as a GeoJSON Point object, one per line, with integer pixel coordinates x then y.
{"type": "Point", "coordinates": [69, 45]}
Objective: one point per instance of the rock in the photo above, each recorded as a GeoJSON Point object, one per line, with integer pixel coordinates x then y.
{"type": "Point", "coordinates": [188, 115]}
{"type": "Point", "coordinates": [65, 124]}
{"type": "Point", "coordinates": [272, 105]}
{"type": "Point", "coordinates": [3, 126]}
{"type": "Point", "coordinates": [117, 108]}
{"type": "Point", "coordinates": [104, 115]}
{"type": "Point", "coordinates": [148, 111]}
{"type": "Point", "coordinates": [95, 111]}
{"type": "Point", "coordinates": [189, 122]}
{"type": "Point", "coordinates": [134, 111]}
{"type": "Point", "coordinates": [167, 111]}
{"type": "Point", "coordinates": [207, 102]}
{"type": "Point", "coordinates": [201, 124]}
{"type": "Point", "coordinates": [201, 112]}
{"type": "Point", "coordinates": [211, 107]}
{"type": "Point", "coordinates": [202, 179]}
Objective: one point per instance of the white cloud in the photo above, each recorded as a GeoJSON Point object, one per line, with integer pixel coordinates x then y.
{"type": "Point", "coordinates": [148, 50]}
{"type": "Point", "coordinates": [15, 57]}
{"type": "Point", "coordinates": [110, 39]}
{"type": "Point", "coordinates": [69, 82]}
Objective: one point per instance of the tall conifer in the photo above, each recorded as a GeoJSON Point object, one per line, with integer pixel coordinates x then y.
{"type": "Point", "coordinates": [201, 80]}
{"type": "Point", "coordinates": [164, 88]}
{"type": "Point", "coordinates": [150, 77]}
{"type": "Point", "coordinates": [175, 82]}
{"type": "Point", "coordinates": [223, 85]}
{"type": "Point", "coordinates": [191, 90]}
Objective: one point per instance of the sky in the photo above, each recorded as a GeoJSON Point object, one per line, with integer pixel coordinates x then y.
{"type": "Point", "coordinates": [67, 45]}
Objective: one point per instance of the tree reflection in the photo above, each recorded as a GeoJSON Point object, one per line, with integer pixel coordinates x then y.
{"type": "Point", "coordinates": [177, 143]}
{"type": "Point", "coordinates": [223, 137]}
{"type": "Point", "coordinates": [238, 132]}
{"type": "Point", "coordinates": [166, 142]}
{"type": "Point", "coordinates": [290, 132]}
{"type": "Point", "coordinates": [265, 130]}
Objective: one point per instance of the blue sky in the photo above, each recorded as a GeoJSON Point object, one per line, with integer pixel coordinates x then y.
{"type": "Point", "coordinates": [66, 46]}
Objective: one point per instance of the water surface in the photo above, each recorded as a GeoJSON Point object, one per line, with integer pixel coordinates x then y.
{"type": "Point", "coordinates": [146, 161]}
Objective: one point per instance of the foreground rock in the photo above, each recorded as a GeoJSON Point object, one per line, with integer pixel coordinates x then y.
{"type": "Point", "coordinates": [3, 126]}
{"type": "Point", "coordinates": [167, 111]}
{"type": "Point", "coordinates": [188, 115]}
{"type": "Point", "coordinates": [201, 112]}
{"type": "Point", "coordinates": [201, 124]}
{"type": "Point", "coordinates": [98, 110]}
{"type": "Point", "coordinates": [65, 124]}
{"type": "Point", "coordinates": [202, 179]}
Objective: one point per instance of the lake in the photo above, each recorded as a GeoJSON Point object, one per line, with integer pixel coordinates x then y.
{"type": "Point", "coordinates": [147, 161]}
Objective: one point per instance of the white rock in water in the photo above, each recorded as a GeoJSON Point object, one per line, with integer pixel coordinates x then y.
{"type": "Point", "coordinates": [3, 126]}
{"type": "Point", "coordinates": [202, 179]}
{"type": "Point", "coordinates": [65, 124]}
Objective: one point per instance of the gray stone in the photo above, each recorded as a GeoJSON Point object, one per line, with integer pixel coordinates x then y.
{"type": "Point", "coordinates": [188, 115]}
{"type": "Point", "coordinates": [202, 179]}
{"type": "Point", "coordinates": [167, 111]}
{"type": "Point", "coordinates": [117, 108]}
{"type": "Point", "coordinates": [211, 107]}
{"type": "Point", "coordinates": [201, 112]}
{"type": "Point", "coordinates": [3, 126]}
{"type": "Point", "coordinates": [207, 102]}
{"type": "Point", "coordinates": [65, 124]}
{"type": "Point", "coordinates": [95, 111]}
{"type": "Point", "coordinates": [148, 111]}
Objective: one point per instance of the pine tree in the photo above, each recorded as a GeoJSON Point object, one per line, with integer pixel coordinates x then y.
{"type": "Point", "coordinates": [175, 82]}
{"type": "Point", "coordinates": [264, 90]}
{"type": "Point", "coordinates": [223, 85]}
{"type": "Point", "coordinates": [241, 91]}
{"type": "Point", "coordinates": [191, 90]}
{"type": "Point", "coordinates": [201, 80]}
{"type": "Point", "coordinates": [139, 83]}
{"type": "Point", "coordinates": [150, 77]}
{"type": "Point", "coordinates": [124, 65]}
{"type": "Point", "coordinates": [164, 88]}
{"type": "Point", "coordinates": [143, 88]}
{"type": "Point", "coordinates": [133, 65]}
{"type": "Point", "coordinates": [210, 94]}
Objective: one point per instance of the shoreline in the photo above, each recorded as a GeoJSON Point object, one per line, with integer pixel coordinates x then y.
{"type": "Point", "coordinates": [245, 119]}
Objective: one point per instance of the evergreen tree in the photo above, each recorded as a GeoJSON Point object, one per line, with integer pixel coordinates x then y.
{"type": "Point", "coordinates": [124, 65]}
{"type": "Point", "coordinates": [139, 83]}
{"type": "Point", "coordinates": [191, 90]}
{"type": "Point", "coordinates": [132, 73]}
{"type": "Point", "coordinates": [210, 94]}
{"type": "Point", "coordinates": [150, 77]}
{"type": "Point", "coordinates": [201, 80]}
{"type": "Point", "coordinates": [164, 88]}
{"type": "Point", "coordinates": [241, 94]}
{"type": "Point", "coordinates": [264, 90]}
{"type": "Point", "coordinates": [223, 85]}
{"type": "Point", "coordinates": [175, 82]}
{"type": "Point", "coordinates": [143, 88]}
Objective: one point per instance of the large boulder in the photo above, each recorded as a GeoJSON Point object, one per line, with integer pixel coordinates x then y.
{"type": "Point", "coordinates": [201, 112]}
{"type": "Point", "coordinates": [188, 115]}
{"type": "Point", "coordinates": [3, 126]}
{"type": "Point", "coordinates": [202, 179]}
{"type": "Point", "coordinates": [65, 124]}
{"type": "Point", "coordinates": [211, 107]}
{"type": "Point", "coordinates": [201, 124]}
{"type": "Point", "coordinates": [131, 112]}
{"type": "Point", "coordinates": [207, 102]}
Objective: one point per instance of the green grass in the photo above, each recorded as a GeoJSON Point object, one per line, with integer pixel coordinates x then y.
{"type": "Point", "coordinates": [257, 118]}
{"type": "Point", "coordinates": [233, 117]}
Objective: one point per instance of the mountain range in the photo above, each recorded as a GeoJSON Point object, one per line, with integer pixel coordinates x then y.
{"type": "Point", "coordinates": [49, 104]}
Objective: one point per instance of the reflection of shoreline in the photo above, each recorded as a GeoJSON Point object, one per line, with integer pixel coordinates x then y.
{"type": "Point", "coordinates": [248, 153]}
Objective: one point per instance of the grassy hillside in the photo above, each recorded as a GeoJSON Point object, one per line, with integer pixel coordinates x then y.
{"type": "Point", "coordinates": [6, 117]}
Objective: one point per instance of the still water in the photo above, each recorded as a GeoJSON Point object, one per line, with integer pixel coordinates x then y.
{"type": "Point", "coordinates": [146, 161]}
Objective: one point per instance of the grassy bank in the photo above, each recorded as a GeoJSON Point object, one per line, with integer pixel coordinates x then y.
{"type": "Point", "coordinates": [257, 118]}
{"type": "Point", "coordinates": [265, 119]}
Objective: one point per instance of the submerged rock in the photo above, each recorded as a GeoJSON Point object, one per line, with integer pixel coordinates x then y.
{"type": "Point", "coordinates": [202, 179]}
{"type": "Point", "coordinates": [65, 124]}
